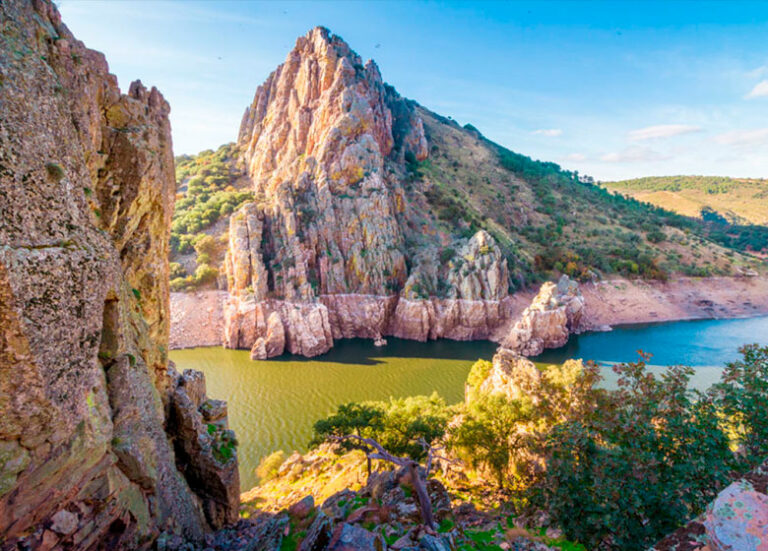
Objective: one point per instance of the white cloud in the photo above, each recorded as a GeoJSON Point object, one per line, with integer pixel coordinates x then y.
{"type": "Point", "coordinates": [759, 91]}
{"type": "Point", "coordinates": [552, 132]}
{"type": "Point", "coordinates": [759, 72]}
{"type": "Point", "coordinates": [576, 157]}
{"type": "Point", "coordinates": [743, 138]}
{"type": "Point", "coordinates": [633, 154]}
{"type": "Point", "coordinates": [662, 131]}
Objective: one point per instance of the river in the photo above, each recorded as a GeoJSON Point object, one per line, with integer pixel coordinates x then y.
{"type": "Point", "coordinates": [273, 404]}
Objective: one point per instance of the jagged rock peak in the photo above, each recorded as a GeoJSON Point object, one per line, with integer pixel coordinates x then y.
{"type": "Point", "coordinates": [324, 103]}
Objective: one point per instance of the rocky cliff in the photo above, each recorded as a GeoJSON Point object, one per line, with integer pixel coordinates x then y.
{"type": "Point", "coordinates": [101, 442]}
{"type": "Point", "coordinates": [333, 245]}
{"type": "Point", "coordinates": [372, 216]}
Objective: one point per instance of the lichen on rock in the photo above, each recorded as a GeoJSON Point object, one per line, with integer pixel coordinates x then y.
{"type": "Point", "coordinates": [86, 196]}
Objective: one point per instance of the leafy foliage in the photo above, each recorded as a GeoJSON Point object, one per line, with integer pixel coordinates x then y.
{"type": "Point", "coordinates": [488, 434]}
{"type": "Point", "coordinates": [742, 397]}
{"type": "Point", "coordinates": [209, 194]}
{"type": "Point", "coordinates": [399, 425]}
{"type": "Point", "coordinates": [269, 466]}
{"type": "Point", "coordinates": [654, 456]}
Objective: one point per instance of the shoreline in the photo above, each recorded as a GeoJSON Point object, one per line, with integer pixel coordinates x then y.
{"type": "Point", "coordinates": [197, 318]}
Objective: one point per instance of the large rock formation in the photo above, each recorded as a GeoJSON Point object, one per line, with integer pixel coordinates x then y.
{"type": "Point", "coordinates": [329, 246]}
{"type": "Point", "coordinates": [554, 314]}
{"type": "Point", "coordinates": [86, 195]}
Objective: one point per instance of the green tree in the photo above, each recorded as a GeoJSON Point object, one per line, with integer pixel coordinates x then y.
{"type": "Point", "coordinates": [742, 397]}
{"type": "Point", "coordinates": [491, 432]}
{"type": "Point", "coordinates": [653, 457]}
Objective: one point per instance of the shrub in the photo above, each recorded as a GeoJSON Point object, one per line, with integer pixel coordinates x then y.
{"type": "Point", "coordinates": [656, 236]}
{"type": "Point", "coordinates": [179, 283]}
{"type": "Point", "coordinates": [205, 274]}
{"type": "Point", "coordinates": [653, 457]}
{"type": "Point", "coordinates": [176, 270]}
{"type": "Point", "coordinates": [270, 465]}
{"type": "Point", "coordinates": [742, 396]}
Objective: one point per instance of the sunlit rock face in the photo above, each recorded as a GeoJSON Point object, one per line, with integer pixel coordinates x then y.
{"type": "Point", "coordinates": [325, 245]}
{"type": "Point", "coordinates": [86, 195]}
{"type": "Point", "coordinates": [554, 314]}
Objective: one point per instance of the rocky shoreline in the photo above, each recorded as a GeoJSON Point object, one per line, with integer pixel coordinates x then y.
{"type": "Point", "coordinates": [198, 319]}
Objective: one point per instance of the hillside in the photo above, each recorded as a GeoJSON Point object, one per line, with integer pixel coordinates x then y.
{"type": "Point", "coordinates": [734, 211]}
{"type": "Point", "coordinates": [739, 200]}
{"type": "Point", "coordinates": [546, 220]}
{"type": "Point", "coordinates": [345, 210]}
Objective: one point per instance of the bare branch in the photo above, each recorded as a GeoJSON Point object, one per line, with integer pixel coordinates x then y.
{"type": "Point", "coordinates": [419, 485]}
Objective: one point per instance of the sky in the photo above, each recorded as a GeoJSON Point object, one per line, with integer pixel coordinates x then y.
{"type": "Point", "coordinates": [612, 89]}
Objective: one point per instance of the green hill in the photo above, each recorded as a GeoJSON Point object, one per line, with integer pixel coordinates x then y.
{"type": "Point", "coordinates": [546, 219]}
{"type": "Point", "coordinates": [739, 200]}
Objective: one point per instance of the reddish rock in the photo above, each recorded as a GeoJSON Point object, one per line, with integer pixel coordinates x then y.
{"type": "Point", "coordinates": [87, 193]}
{"type": "Point", "coordinates": [554, 314]}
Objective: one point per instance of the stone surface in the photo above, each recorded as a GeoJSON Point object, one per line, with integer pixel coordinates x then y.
{"type": "Point", "coordinates": [737, 519]}
{"type": "Point", "coordinates": [64, 522]}
{"type": "Point", "coordinates": [303, 507]}
{"type": "Point", "coordinates": [323, 251]}
{"type": "Point", "coordinates": [319, 534]}
{"type": "Point", "coordinates": [86, 196]}
{"type": "Point", "coordinates": [554, 314]}
{"type": "Point", "coordinates": [512, 375]}
{"type": "Point", "coordinates": [205, 452]}
{"type": "Point", "coordinates": [350, 537]}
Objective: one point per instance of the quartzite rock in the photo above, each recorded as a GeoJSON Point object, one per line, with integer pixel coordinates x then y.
{"type": "Point", "coordinates": [322, 248]}
{"type": "Point", "coordinates": [86, 196]}
{"type": "Point", "coordinates": [554, 314]}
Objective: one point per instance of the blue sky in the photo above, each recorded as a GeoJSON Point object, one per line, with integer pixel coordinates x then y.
{"type": "Point", "coordinates": [612, 89]}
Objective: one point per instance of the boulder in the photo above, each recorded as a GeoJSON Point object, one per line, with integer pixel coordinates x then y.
{"type": "Point", "coordinates": [318, 535]}
{"type": "Point", "coordinates": [302, 508]}
{"type": "Point", "coordinates": [350, 537]}
{"type": "Point", "coordinates": [738, 519]}
{"type": "Point", "coordinates": [64, 522]}
{"type": "Point", "coordinates": [554, 314]}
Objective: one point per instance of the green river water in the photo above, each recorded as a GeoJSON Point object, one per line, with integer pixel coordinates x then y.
{"type": "Point", "coordinates": [273, 404]}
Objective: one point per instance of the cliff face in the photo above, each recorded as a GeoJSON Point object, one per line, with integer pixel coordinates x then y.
{"type": "Point", "coordinates": [373, 216]}
{"type": "Point", "coordinates": [86, 389]}
{"type": "Point", "coordinates": [333, 245]}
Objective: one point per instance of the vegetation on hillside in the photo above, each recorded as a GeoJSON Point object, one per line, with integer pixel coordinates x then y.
{"type": "Point", "coordinates": [549, 220]}
{"type": "Point", "coordinates": [614, 469]}
{"type": "Point", "coordinates": [546, 220]}
{"type": "Point", "coordinates": [734, 210]}
{"type": "Point", "coordinates": [208, 191]}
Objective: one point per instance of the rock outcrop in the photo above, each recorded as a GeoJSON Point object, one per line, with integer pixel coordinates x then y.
{"type": "Point", "coordinates": [554, 314]}
{"type": "Point", "coordinates": [329, 247]}
{"type": "Point", "coordinates": [510, 374]}
{"type": "Point", "coordinates": [86, 195]}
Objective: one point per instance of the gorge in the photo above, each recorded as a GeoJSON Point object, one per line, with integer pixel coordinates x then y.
{"type": "Point", "coordinates": [263, 395]}
{"type": "Point", "coordinates": [352, 245]}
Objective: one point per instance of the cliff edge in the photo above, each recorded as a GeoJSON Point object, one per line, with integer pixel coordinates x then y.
{"type": "Point", "coordinates": [96, 424]}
